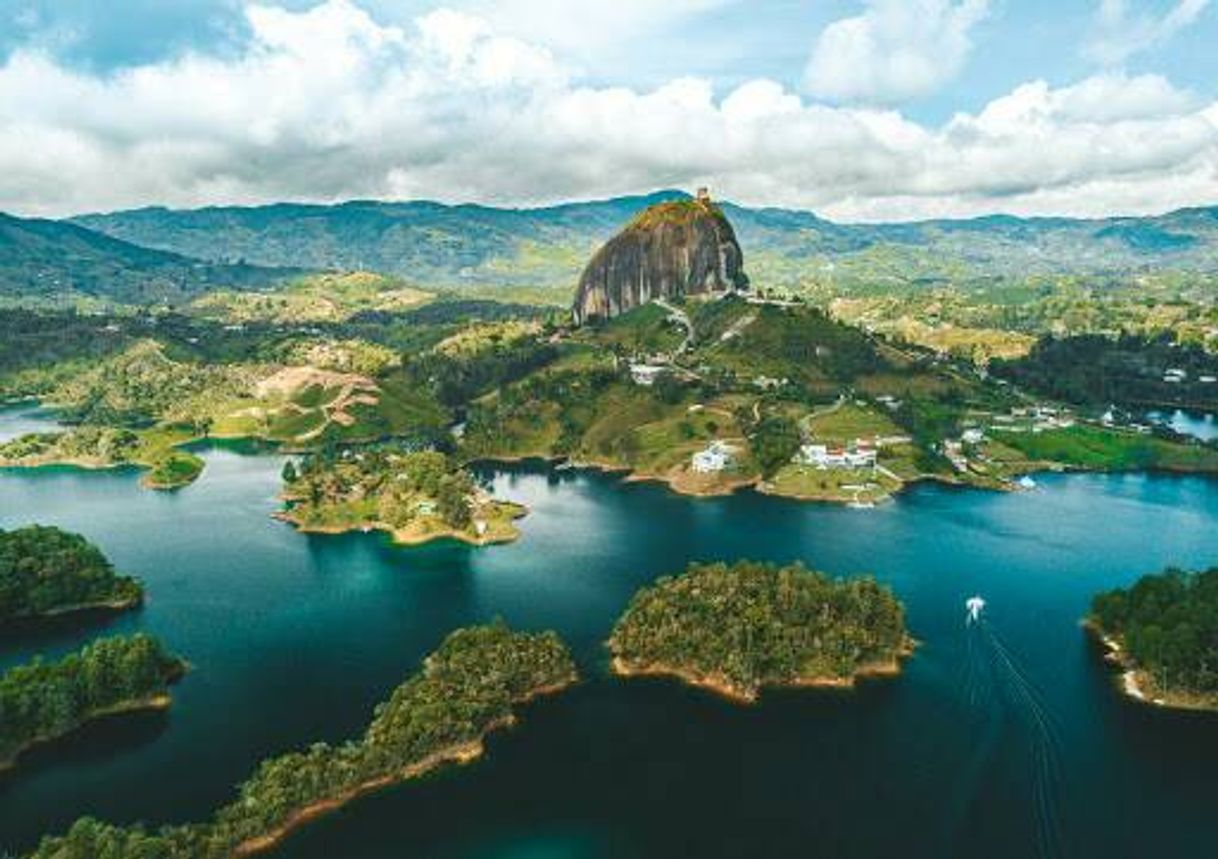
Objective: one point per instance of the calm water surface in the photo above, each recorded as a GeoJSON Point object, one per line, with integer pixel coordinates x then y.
{"type": "Point", "coordinates": [1003, 740]}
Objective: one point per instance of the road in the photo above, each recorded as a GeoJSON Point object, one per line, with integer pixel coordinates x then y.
{"type": "Point", "coordinates": [683, 318]}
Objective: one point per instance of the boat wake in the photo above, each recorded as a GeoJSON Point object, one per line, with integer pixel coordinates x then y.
{"type": "Point", "coordinates": [996, 688]}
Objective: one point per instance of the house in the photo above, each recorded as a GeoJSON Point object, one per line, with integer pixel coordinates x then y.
{"type": "Point", "coordinates": [858, 455]}
{"type": "Point", "coordinates": [715, 458]}
{"type": "Point", "coordinates": [972, 436]}
{"type": "Point", "coordinates": [646, 374]}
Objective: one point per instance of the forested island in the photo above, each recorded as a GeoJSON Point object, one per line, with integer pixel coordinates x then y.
{"type": "Point", "coordinates": [738, 628]}
{"type": "Point", "coordinates": [466, 689]}
{"type": "Point", "coordinates": [45, 571]}
{"type": "Point", "coordinates": [1163, 632]}
{"type": "Point", "coordinates": [416, 496]}
{"type": "Point", "coordinates": [43, 701]}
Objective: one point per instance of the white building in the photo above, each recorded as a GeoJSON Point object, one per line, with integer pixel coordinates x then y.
{"type": "Point", "coordinates": [823, 457]}
{"type": "Point", "coordinates": [646, 374]}
{"type": "Point", "coordinates": [716, 457]}
{"type": "Point", "coordinates": [972, 436]}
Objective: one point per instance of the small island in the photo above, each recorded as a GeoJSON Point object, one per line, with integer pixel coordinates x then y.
{"type": "Point", "coordinates": [466, 689]}
{"type": "Point", "coordinates": [155, 450]}
{"type": "Point", "coordinates": [47, 572]}
{"type": "Point", "coordinates": [737, 629]}
{"type": "Point", "coordinates": [416, 496]}
{"type": "Point", "coordinates": [1161, 633]}
{"type": "Point", "coordinates": [44, 701]}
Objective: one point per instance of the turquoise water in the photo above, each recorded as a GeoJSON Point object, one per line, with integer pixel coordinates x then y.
{"type": "Point", "coordinates": [1001, 740]}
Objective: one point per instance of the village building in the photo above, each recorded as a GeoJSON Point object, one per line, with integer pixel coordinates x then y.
{"type": "Point", "coordinates": [860, 454]}
{"type": "Point", "coordinates": [646, 374]}
{"type": "Point", "coordinates": [715, 458]}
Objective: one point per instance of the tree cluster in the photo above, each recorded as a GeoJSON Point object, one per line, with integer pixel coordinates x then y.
{"type": "Point", "coordinates": [44, 700]}
{"type": "Point", "coordinates": [1168, 624]}
{"type": "Point", "coordinates": [465, 689]}
{"type": "Point", "coordinates": [44, 569]}
{"type": "Point", "coordinates": [753, 624]}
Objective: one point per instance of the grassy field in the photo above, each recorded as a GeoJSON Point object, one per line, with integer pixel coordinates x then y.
{"type": "Point", "coordinates": [851, 421]}
{"type": "Point", "coordinates": [1103, 449]}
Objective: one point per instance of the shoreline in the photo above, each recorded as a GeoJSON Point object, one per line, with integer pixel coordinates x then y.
{"type": "Point", "coordinates": [101, 606]}
{"type": "Point", "coordinates": [161, 701]}
{"type": "Point", "coordinates": [459, 753]}
{"type": "Point", "coordinates": [724, 688]}
{"type": "Point", "coordinates": [1134, 684]}
{"type": "Point", "coordinates": [401, 537]}
{"type": "Point", "coordinates": [759, 484]}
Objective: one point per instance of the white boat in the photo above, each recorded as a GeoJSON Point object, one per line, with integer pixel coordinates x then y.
{"type": "Point", "coordinates": [1026, 482]}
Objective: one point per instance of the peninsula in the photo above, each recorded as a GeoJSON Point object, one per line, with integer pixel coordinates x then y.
{"type": "Point", "coordinates": [1161, 632]}
{"type": "Point", "coordinates": [466, 689]}
{"type": "Point", "coordinates": [45, 701]}
{"type": "Point", "coordinates": [737, 629]}
{"type": "Point", "coordinates": [45, 572]}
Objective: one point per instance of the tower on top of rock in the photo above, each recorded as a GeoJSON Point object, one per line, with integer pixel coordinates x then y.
{"type": "Point", "coordinates": [704, 194]}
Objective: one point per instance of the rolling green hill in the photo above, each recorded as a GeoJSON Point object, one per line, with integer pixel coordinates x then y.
{"type": "Point", "coordinates": [56, 259]}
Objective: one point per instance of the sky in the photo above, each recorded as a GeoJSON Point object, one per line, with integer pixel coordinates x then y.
{"type": "Point", "coordinates": [860, 110]}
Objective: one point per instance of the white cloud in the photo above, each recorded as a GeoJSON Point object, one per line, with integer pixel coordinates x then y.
{"type": "Point", "coordinates": [1119, 31]}
{"type": "Point", "coordinates": [894, 51]}
{"type": "Point", "coordinates": [328, 104]}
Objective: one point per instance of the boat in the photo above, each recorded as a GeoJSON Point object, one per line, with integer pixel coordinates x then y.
{"type": "Point", "coordinates": [1026, 482]}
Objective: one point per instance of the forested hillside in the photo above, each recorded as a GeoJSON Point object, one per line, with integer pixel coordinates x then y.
{"type": "Point", "coordinates": [52, 259]}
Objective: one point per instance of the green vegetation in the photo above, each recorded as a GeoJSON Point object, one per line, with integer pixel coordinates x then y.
{"type": "Point", "coordinates": [104, 447]}
{"type": "Point", "coordinates": [144, 385]}
{"type": "Point", "coordinates": [1164, 629]}
{"type": "Point", "coordinates": [41, 701]}
{"type": "Point", "coordinates": [739, 628]}
{"type": "Point", "coordinates": [1127, 370]}
{"type": "Point", "coordinates": [466, 689]}
{"type": "Point", "coordinates": [416, 496]}
{"type": "Point", "coordinates": [314, 298]}
{"type": "Point", "coordinates": [1106, 449]}
{"type": "Point", "coordinates": [45, 571]}
{"type": "Point", "coordinates": [54, 260]}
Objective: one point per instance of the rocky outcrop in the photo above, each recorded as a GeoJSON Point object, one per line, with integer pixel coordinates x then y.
{"type": "Point", "coordinates": [670, 250]}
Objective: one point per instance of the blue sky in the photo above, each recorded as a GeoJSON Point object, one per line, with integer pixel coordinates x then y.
{"type": "Point", "coordinates": [862, 109]}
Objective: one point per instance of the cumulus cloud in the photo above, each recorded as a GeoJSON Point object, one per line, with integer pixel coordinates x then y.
{"type": "Point", "coordinates": [894, 51]}
{"type": "Point", "coordinates": [1119, 31]}
{"type": "Point", "coordinates": [328, 104]}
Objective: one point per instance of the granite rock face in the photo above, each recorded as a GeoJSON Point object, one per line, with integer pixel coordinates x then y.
{"type": "Point", "coordinates": [670, 250]}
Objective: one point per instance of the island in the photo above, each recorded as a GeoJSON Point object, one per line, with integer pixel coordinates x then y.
{"type": "Point", "coordinates": [466, 689]}
{"type": "Point", "coordinates": [46, 572]}
{"type": "Point", "coordinates": [416, 496]}
{"type": "Point", "coordinates": [45, 701]}
{"type": "Point", "coordinates": [735, 629]}
{"type": "Point", "coordinates": [1161, 633]}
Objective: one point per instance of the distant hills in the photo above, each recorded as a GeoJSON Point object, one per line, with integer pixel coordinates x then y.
{"type": "Point", "coordinates": [56, 259]}
{"type": "Point", "coordinates": [438, 245]}
{"type": "Point", "coordinates": [156, 254]}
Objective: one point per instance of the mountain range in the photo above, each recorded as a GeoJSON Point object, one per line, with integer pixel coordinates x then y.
{"type": "Point", "coordinates": [164, 253]}
{"type": "Point", "coordinates": [49, 259]}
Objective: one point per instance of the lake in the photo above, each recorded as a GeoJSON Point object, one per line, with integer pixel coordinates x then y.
{"type": "Point", "coordinates": [1004, 739]}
